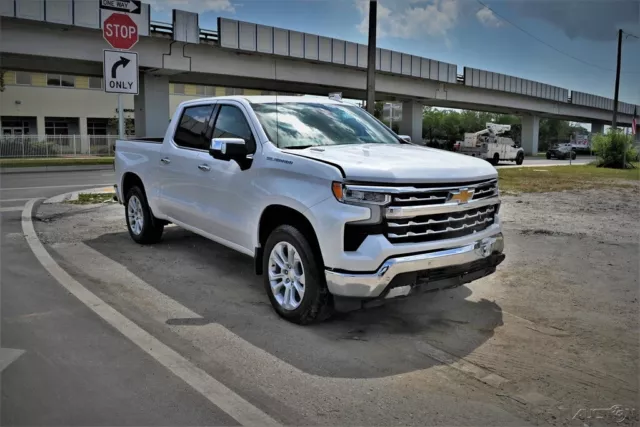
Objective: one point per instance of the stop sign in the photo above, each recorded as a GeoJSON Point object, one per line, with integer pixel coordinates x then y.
{"type": "Point", "coordinates": [120, 31]}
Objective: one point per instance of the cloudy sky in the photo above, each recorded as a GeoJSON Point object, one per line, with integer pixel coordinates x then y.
{"type": "Point", "coordinates": [567, 43]}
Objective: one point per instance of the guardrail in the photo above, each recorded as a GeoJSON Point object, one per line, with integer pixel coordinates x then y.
{"type": "Point", "coordinates": [31, 146]}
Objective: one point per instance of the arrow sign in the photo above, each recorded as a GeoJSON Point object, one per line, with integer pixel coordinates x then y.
{"type": "Point", "coordinates": [122, 62]}
{"type": "Point", "coordinates": [127, 6]}
{"type": "Point", "coordinates": [120, 72]}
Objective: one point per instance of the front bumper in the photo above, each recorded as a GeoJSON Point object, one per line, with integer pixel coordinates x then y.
{"type": "Point", "coordinates": [379, 283]}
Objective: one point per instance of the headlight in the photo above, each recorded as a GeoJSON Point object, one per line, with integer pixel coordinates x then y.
{"type": "Point", "coordinates": [359, 196]}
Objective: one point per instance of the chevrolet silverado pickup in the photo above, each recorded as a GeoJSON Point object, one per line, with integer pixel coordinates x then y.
{"type": "Point", "coordinates": [337, 211]}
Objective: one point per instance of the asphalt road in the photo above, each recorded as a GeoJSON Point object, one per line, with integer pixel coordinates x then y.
{"type": "Point", "coordinates": [541, 161]}
{"type": "Point", "coordinates": [189, 337]}
{"type": "Point", "coordinates": [75, 369]}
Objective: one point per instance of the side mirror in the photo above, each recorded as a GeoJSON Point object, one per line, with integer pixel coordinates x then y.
{"type": "Point", "coordinates": [228, 149]}
{"type": "Point", "coordinates": [406, 138]}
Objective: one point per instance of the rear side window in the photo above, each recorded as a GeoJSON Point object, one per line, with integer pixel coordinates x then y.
{"type": "Point", "coordinates": [231, 123]}
{"type": "Point", "coordinates": [191, 131]}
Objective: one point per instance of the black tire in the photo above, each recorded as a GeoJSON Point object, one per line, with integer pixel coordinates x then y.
{"type": "Point", "coordinates": [151, 228]}
{"type": "Point", "coordinates": [548, 155]}
{"type": "Point", "coordinates": [496, 159]}
{"type": "Point", "coordinates": [519, 158]}
{"type": "Point", "coordinates": [316, 304]}
{"type": "Point", "coordinates": [573, 155]}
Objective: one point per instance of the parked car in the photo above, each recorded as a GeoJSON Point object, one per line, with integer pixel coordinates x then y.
{"type": "Point", "coordinates": [562, 151]}
{"type": "Point", "coordinates": [336, 210]}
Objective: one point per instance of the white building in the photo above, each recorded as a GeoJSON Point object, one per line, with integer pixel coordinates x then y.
{"type": "Point", "coordinates": [53, 104]}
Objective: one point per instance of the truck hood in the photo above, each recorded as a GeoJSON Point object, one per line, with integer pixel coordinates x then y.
{"type": "Point", "coordinates": [401, 163]}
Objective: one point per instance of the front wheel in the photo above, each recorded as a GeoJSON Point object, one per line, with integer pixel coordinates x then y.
{"type": "Point", "coordinates": [294, 277]}
{"type": "Point", "coordinates": [519, 158]}
{"type": "Point", "coordinates": [548, 155]}
{"type": "Point", "coordinates": [143, 227]}
{"type": "Point", "coordinates": [496, 159]}
{"type": "Point", "coordinates": [573, 155]}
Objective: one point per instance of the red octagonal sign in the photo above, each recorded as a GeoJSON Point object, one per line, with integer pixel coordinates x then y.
{"type": "Point", "coordinates": [120, 31]}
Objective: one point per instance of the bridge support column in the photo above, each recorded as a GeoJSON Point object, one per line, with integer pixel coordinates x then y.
{"type": "Point", "coordinates": [530, 131]}
{"type": "Point", "coordinates": [597, 127]}
{"type": "Point", "coordinates": [152, 106]}
{"type": "Point", "coordinates": [411, 123]}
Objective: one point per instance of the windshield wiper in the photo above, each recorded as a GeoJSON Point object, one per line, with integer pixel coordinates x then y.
{"type": "Point", "coordinates": [297, 147]}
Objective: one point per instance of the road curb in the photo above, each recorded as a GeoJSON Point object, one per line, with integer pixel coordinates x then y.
{"type": "Point", "coordinates": [70, 168]}
{"type": "Point", "coordinates": [73, 195]}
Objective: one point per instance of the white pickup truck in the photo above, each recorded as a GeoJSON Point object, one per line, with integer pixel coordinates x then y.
{"type": "Point", "coordinates": [337, 211]}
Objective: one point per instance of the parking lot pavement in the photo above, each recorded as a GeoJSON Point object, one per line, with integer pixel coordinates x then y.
{"type": "Point", "coordinates": [552, 332]}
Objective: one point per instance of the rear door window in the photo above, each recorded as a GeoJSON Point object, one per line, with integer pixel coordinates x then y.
{"type": "Point", "coordinates": [191, 132]}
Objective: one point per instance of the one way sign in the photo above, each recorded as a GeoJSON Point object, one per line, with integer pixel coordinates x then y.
{"type": "Point", "coordinates": [120, 72]}
{"type": "Point", "coordinates": [128, 6]}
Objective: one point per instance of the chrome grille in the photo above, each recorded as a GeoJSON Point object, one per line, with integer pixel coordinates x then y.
{"type": "Point", "coordinates": [425, 214]}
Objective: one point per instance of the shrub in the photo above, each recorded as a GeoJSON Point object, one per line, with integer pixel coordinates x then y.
{"type": "Point", "coordinates": [611, 149]}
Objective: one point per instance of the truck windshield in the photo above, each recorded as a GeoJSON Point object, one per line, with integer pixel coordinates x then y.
{"type": "Point", "coordinates": [302, 124]}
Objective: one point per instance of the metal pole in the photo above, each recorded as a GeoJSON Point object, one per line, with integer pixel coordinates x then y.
{"type": "Point", "coordinates": [614, 120]}
{"type": "Point", "coordinates": [120, 118]}
{"type": "Point", "coordinates": [371, 60]}
{"type": "Point", "coordinates": [391, 116]}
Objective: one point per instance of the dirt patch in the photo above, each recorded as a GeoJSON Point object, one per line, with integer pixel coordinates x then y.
{"type": "Point", "coordinates": [558, 320]}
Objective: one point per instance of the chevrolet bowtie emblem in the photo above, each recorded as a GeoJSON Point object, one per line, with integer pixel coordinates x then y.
{"type": "Point", "coordinates": [461, 196]}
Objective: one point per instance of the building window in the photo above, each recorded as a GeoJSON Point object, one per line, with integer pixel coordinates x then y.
{"type": "Point", "coordinates": [200, 90]}
{"type": "Point", "coordinates": [23, 78]}
{"type": "Point", "coordinates": [95, 82]}
{"type": "Point", "coordinates": [61, 80]}
{"type": "Point", "coordinates": [178, 88]}
{"type": "Point", "coordinates": [56, 127]}
{"type": "Point", "coordinates": [233, 91]}
{"type": "Point", "coordinates": [97, 126]}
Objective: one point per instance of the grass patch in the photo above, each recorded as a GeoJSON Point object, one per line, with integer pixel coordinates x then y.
{"type": "Point", "coordinates": [55, 161]}
{"type": "Point", "coordinates": [558, 178]}
{"type": "Point", "coordinates": [92, 198]}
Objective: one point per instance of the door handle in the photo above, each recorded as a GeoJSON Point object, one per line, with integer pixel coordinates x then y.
{"type": "Point", "coordinates": [165, 160]}
{"type": "Point", "coordinates": [205, 168]}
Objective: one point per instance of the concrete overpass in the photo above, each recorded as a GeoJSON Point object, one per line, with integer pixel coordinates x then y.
{"type": "Point", "coordinates": [269, 58]}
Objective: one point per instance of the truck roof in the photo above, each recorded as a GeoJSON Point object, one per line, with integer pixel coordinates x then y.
{"type": "Point", "coordinates": [270, 99]}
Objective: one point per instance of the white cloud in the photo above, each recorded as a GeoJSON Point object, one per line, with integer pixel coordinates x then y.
{"type": "Point", "coordinates": [199, 6]}
{"type": "Point", "coordinates": [487, 18]}
{"type": "Point", "coordinates": [402, 19]}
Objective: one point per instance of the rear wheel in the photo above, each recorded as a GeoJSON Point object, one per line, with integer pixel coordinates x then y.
{"type": "Point", "coordinates": [573, 155]}
{"type": "Point", "coordinates": [519, 158]}
{"type": "Point", "coordinates": [143, 227]}
{"type": "Point", "coordinates": [548, 155]}
{"type": "Point", "coordinates": [496, 159]}
{"type": "Point", "coordinates": [294, 278]}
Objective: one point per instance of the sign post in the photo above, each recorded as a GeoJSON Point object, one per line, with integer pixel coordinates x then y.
{"type": "Point", "coordinates": [120, 68]}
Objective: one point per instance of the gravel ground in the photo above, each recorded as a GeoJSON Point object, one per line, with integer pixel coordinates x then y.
{"type": "Point", "coordinates": [558, 320]}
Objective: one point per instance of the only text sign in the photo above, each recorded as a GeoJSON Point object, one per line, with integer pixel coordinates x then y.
{"type": "Point", "coordinates": [120, 72]}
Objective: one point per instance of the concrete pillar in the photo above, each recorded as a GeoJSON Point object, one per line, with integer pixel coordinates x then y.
{"type": "Point", "coordinates": [40, 126]}
{"type": "Point", "coordinates": [411, 122]}
{"type": "Point", "coordinates": [530, 131]}
{"type": "Point", "coordinates": [152, 106]}
{"type": "Point", "coordinates": [597, 127]}
{"type": "Point", "coordinates": [84, 145]}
